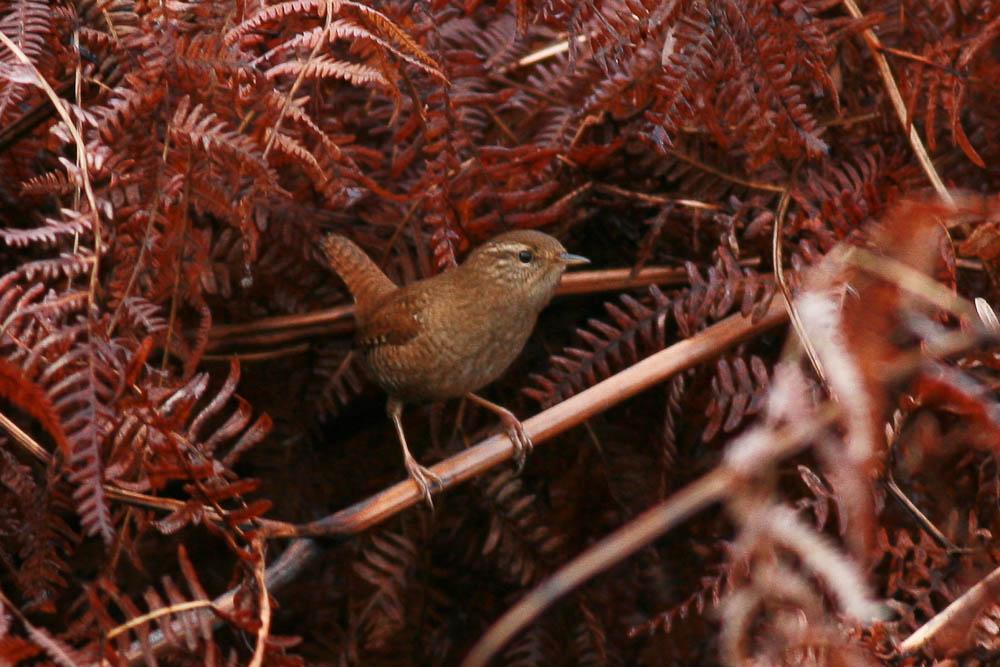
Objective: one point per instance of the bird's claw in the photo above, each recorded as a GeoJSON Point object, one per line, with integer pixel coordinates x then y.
{"type": "Point", "coordinates": [424, 479]}
{"type": "Point", "coordinates": [522, 442]}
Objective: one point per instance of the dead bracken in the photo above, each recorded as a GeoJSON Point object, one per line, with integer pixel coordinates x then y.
{"type": "Point", "coordinates": [765, 418]}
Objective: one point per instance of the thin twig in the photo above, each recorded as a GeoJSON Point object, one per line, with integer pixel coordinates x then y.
{"type": "Point", "coordinates": [922, 519]}
{"type": "Point", "coordinates": [655, 200]}
{"type": "Point", "coordinates": [280, 337]}
{"type": "Point", "coordinates": [779, 274]}
{"type": "Point", "coordinates": [172, 319]}
{"type": "Point", "coordinates": [26, 441]}
{"type": "Point", "coordinates": [157, 613]}
{"type": "Point", "coordinates": [573, 411]}
{"type": "Point", "coordinates": [544, 53]}
{"type": "Point", "coordinates": [319, 322]}
{"type": "Point", "coordinates": [755, 185]}
{"type": "Point", "coordinates": [930, 63]}
{"type": "Point", "coordinates": [264, 602]}
{"type": "Point", "coordinates": [899, 105]}
{"type": "Point", "coordinates": [156, 503]}
{"type": "Point", "coordinates": [324, 317]}
{"type": "Point", "coordinates": [81, 149]}
{"type": "Point", "coordinates": [267, 355]}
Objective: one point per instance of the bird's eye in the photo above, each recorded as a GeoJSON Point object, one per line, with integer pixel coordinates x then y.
{"type": "Point", "coordinates": [525, 256]}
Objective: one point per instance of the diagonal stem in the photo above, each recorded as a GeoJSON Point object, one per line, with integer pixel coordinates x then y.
{"type": "Point", "coordinates": [899, 105]}
{"type": "Point", "coordinates": [544, 426]}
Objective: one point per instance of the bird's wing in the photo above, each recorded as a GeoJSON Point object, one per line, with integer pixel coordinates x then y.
{"type": "Point", "coordinates": [395, 322]}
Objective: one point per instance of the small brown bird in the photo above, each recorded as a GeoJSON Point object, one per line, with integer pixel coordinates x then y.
{"type": "Point", "coordinates": [449, 335]}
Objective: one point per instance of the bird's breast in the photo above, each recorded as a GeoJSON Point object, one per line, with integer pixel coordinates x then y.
{"type": "Point", "coordinates": [464, 344]}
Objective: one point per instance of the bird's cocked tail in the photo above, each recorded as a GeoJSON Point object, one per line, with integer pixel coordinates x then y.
{"type": "Point", "coordinates": [366, 282]}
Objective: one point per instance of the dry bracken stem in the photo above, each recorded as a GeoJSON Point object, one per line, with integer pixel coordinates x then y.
{"type": "Point", "coordinates": [180, 266]}
{"type": "Point", "coordinates": [298, 82]}
{"type": "Point", "coordinates": [24, 440]}
{"type": "Point", "coordinates": [81, 150]}
{"type": "Point", "coordinates": [280, 336]}
{"type": "Point", "coordinates": [968, 604]}
{"type": "Point", "coordinates": [264, 602]}
{"type": "Point", "coordinates": [266, 355]}
{"type": "Point", "coordinates": [550, 51]}
{"type": "Point", "coordinates": [899, 105]}
{"type": "Point", "coordinates": [754, 185]}
{"type": "Point", "coordinates": [157, 613]}
{"type": "Point", "coordinates": [779, 274]}
{"type": "Point", "coordinates": [633, 536]}
{"type": "Point", "coordinates": [655, 200]}
{"type": "Point", "coordinates": [136, 499]}
{"type": "Point", "coordinates": [921, 518]}
{"type": "Point", "coordinates": [580, 282]}
{"type": "Point", "coordinates": [80, 162]}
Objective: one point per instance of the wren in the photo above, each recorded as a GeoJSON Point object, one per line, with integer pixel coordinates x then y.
{"type": "Point", "coordinates": [449, 335]}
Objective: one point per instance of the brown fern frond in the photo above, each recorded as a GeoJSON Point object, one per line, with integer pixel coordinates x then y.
{"type": "Point", "coordinates": [590, 640]}
{"type": "Point", "coordinates": [706, 597]}
{"type": "Point", "coordinates": [27, 24]}
{"type": "Point", "coordinates": [84, 398]}
{"type": "Point", "coordinates": [738, 391]}
{"type": "Point", "coordinates": [168, 609]}
{"type": "Point", "coordinates": [532, 649]}
{"type": "Point", "coordinates": [325, 67]}
{"type": "Point", "coordinates": [641, 330]}
{"type": "Point", "coordinates": [388, 564]}
{"type": "Point", "coordinates": [377, 27]}
{"type": "Point", "coordinates": [195, 127]}
{"type": "Point", "coordinates": [517, 540]}
{"type": "Point", "coordinates": [50, 183]}
{"type": "Point", "coordinates": [39, 541]}
{"type": "Point", "coordinates": [17, 389]}
{"type": "Point", "coordinates": [339, 374]}
{"type": "Point", "coordinates": [66, 266]}
{"type": "Point", "coordinates": [53, 231]}
{"type": "Point", "coordinates": [688, 57]}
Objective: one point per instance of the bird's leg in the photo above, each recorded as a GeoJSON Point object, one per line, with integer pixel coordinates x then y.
{"type": "Point", "coordinates": [423, 477]}
{"type": "Point", "coordinates": [513, 426]}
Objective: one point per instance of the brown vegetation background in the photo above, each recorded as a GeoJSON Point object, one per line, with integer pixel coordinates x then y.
{"type": "Point", "coordinates": [178, 391]}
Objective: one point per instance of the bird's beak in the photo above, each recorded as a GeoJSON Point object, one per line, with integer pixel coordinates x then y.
{"type": "Point", "coordinates": [573, 260]}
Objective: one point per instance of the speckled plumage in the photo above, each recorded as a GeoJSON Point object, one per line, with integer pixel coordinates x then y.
{"type": "Point", "coordinates": [449, 335]}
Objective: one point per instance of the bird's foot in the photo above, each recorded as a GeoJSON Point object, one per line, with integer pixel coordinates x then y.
{"type": "Point", "coordinates": [424, 479]}
{"type": "Point", "coordinates": [522, 442]}
{"type": "Point", "coordinates": [512, 426]}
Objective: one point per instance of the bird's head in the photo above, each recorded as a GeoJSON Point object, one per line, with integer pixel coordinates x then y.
{"type": "Point", "coordinates": [528, 263]}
